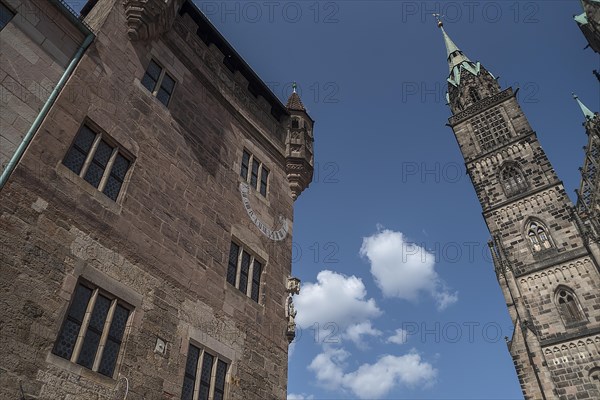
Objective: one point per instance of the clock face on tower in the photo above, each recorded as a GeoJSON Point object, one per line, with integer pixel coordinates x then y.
{"type": "Point", "coordinates": [275, 235]}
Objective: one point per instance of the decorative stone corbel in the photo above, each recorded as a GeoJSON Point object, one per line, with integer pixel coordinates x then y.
{"type": "Point", "coordinates": [148, 19]}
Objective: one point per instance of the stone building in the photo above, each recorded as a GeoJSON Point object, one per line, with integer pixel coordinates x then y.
{"type": "Point", "coordinates": [146, 207]}
{"type": "Point", "coordinates": [546, 260]}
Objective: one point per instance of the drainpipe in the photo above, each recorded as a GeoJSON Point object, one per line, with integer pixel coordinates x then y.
{"type": "Point", "coordinates": [10, 167]}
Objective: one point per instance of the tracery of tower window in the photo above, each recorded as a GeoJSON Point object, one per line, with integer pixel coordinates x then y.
{"type": "Point", "coordinates": [538, 236]}
{"type": "Point", "coordinates": [474, 95]}
{"type": "Point", "coordinates": [568, 306]}
{"type": "Point", "coordinates": [513, 180]}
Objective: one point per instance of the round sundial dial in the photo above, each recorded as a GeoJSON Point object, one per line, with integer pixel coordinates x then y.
{"type": "Point", "coordinates": [270, 232]}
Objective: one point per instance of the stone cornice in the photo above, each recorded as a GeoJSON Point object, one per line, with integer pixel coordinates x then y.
{"type": "Point", "coordinates": [480, 106]}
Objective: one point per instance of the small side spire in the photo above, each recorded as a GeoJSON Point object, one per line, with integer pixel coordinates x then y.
{"type": "Point", "coordinates": [589, 115]}
{"type": "Point", "coordinates": [294, 102]}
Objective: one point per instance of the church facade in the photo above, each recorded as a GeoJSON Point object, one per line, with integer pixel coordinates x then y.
{"type": "Point", "coordinates": [545, 250]}
{"type": "Point", "coordinates": [146, 207]}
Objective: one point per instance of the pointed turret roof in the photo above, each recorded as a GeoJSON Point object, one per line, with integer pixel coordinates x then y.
{"type": "Point", "coordinates": [586, 111]}
{"type": "Point", "coordinates": [294, 102]}
{"type": "Point", "coordinates": [457, 60]}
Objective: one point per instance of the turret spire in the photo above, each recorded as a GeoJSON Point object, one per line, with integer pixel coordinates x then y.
{"type": "Point", "coordinates": [586, 111]}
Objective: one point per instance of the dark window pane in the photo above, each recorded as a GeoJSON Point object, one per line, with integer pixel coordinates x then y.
{"type": "Point", "coordinates": [220, 379]}
{"type": "Point", "coordinates": [188, 389]}
{"type": "Point", "coordinates": [103, 153]}
{"type": "Point", "coordinates": [120, 167]}
{"type": "Point", "coordinates": [74, 160]}
{"type": "Point", "coordinates": [151, 76]}
{"type": "Point", "coordinates": [65, 342]}
{"type": "Point", "coordinates": [112, 188]}
{"type": "Point", "coordinates": [245, 267]}
{"type": "Point", "coordinates": [256, 280]}
{"type": "Point", "coordinates": [264, 178]}
{"type": "Point", "coordinates": [84, 139]}
{"type": "Point", "coordinates": [5, 16]}
{"type": "Point", "coordinates": [118, 323]}
{"type": "Point", "coordinates": [94, 331]}
{"type": "Point", "coordinates": [245, 165]}
{"type": "Point", "coordinates": [94, 174]}
{"type": "Point", "coordinates": [163, 96]}
{"type": "Point", "coordinates": [205, 375]}
{"type": "Point", "coordinates": [232, 264]}
{"type": "Point", "coordinates": [168, 84]}
{"type": "Point", "coordinates": [88, 351]}
{"type": "Point", "coordinates": [254, 176]}
{"type": "Point", "coordinates": [109, 358]}
{"type": "Point", "coordinates": [80, 302]}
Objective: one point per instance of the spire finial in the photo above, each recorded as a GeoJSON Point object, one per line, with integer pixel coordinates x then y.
{"type": "Point", "coordinates": [294, 86]}
{"type": "Point", "coordinates": [589, 115]}
{"type": "Point", "coordinates": [438, 18]}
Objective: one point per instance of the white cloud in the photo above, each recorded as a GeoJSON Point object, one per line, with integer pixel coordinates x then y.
{"type": "Point", "coordinates": [403, 269]}
{"type": "Point", "coordinates": [371, 380]}
{"type": "Point", "coordinates": [399, 337]}
{"type": "Point", "coordinates": [293, 396]}
{"type": "Point", "coordinates": [334, 298]}
{"type": "Point", "coordinates": [356, 332]}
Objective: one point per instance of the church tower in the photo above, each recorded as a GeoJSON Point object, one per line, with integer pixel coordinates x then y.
{"type": "Point", "coordinates": [546, 268]}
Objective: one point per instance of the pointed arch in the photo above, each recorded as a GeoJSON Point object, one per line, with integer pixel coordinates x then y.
{"type": "Point", "coordinates": [538, 236]}
{"type": "Point", "coordinates": [474, 95]}
{"type": "Point", "coordinates": [568, 305]}
{"type": "Point", "coordinates": [594, 377]}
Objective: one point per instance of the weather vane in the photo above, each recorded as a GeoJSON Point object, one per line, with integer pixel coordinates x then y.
{"type": "Point", "coordinates": [439, 17]}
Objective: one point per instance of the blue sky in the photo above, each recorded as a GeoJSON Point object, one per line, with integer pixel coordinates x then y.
{"type": "Point", "coordinates": [389, 240]}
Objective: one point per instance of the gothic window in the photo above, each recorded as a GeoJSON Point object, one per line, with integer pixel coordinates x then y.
{"type": "Point", "coordinates": [5, 16]}
{"type": "Point", "coordinates": [254, 172]}
{"type": "Point", "coordinates": [512, 180]}
{"type": "Point", "coordinates": [96, 159]}
{"type": "Point", "coordinates": [538, 236]}
{"type": "Point", "coordinates": [205, 376]}
{"type": "Point", "coordinates": [474, 94]}
{"type": "Point", "coordinates": [244, 271]}
{"type": "Point", "coordinates": [159, 82]}
{"type": "Point", "coordinates": [295, 122]}
{"type": "Point", "coordinates": [93, 330]}
{"type": "Point", "coordinates": [490, 129]}
{"type": "Point", "coordinates": [568, 306]}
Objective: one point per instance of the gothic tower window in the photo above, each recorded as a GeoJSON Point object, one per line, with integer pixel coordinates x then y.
{"type": "Point", "coordinates": [512, 179]}
{"type": "Point", "coordinates": [295, 123]}
{"type": "Point", "coordinates": [568, 306]}
{"type": "Point", "coordinates": [595, 377]}
{"type": "Point", "coordinates": [475, 97]}
{"type": "Point", "coordinates": [491, 129]}
{"type": "Point", "coordinates": [538, 236]}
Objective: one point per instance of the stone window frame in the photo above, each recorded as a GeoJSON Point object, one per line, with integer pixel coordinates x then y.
{"type": "Point", "coordinates": [6, 15]}
{"type": "Point", "coordinates": [158, 83]}
{"type": "Point", "coordinates": [251, 269]}
{"type": "Point", "coordinates": [117, 150]}
{"type": "Point", "coordinates": [516, 188]}
{"type": "Point", "coordinates": [540, 241]}
{"type": "Point", "coordinates": [567, 315]}
{"type": "Point", "coordinates": [217, 357]}
{"type": "Point", "coordinates": [262, 183]}
{"type": "Point", "coordinates": [84, 327]}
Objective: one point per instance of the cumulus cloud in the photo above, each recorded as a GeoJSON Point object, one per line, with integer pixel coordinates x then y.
{"type": "Point", "coordinates": [334, 299]}
{"type": "Point", "coordinates": [356, 332]}
{"type": "Point", "coordinates": [403, 269]}
{"type": "Point", "coordinates": [293, 396]}
{"type": "Point", "coordinates": [399, 337]}
{"type": "Point", "coordinates": [371, 380]}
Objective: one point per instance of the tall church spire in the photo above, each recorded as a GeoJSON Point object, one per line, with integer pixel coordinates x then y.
{"type": "Point", "coordinates": [586, 111]}
{"type": "Point", "coordinates": [454, 55]}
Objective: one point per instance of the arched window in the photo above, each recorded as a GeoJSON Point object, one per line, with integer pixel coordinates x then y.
{"type": "Point", "coordinates": [512, 179]}
{"type": "Point", "coordinates": [568, 306]}
{"type": "Point", "coordinates": [295, 122]}
{"type": "Point", "coordinates": [538, 236]}
{"type": "Point", "coordinates": [475, 97]}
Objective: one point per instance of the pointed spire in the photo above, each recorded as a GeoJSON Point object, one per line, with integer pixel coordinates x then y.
{"type": "Point", "coordinates": [589, 115]}
{"type": "Point", "coordinates": [454, 54]}
{"type": "Point", "coordinates": [294, 102]}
